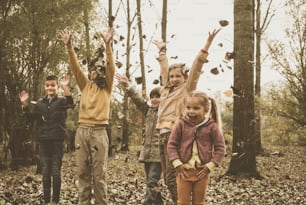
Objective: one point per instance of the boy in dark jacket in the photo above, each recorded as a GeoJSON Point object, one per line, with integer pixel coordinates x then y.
{"type": "Point", "coordinates": [149, 154]}
{"type": "Point", "coordinates": [50, 112]}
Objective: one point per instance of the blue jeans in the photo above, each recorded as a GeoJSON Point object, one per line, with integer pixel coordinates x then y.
{"type": "Point", "coordinates": [153, 172]}
{"type": "Point", "coordinates": [51, 155]}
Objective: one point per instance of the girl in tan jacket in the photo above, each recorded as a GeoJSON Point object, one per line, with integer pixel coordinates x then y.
{"type": "Point", "coordinates": [176, 85]}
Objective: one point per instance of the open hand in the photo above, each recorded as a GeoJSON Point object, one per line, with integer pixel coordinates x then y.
{"type": "Point", "coordinates": [24, 97]}
{"type": "Point", "coordinates": [65, 37]}
{"type": "Point", "coordinates": [159, 44]}
{"type": "Point", "coordinates": [107, 37]}
{"type": "Point", "coordinates": [123, 80]}
{"type": "Point", "coordinates": [64, 81]}
{"type": "Point", "coordinates": [180, 172]}
{"type": "Point", "coordinates": [204, 171]}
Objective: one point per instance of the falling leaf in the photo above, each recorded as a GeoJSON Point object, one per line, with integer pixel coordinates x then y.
{"type": "Point", "coordinates": [115, 41]}
{"type": "Point", "coordinates": [144, 36]}
{"type": "Point", "coordinates": [150, 70]}
{"type": "Point", "coordinates": [138, 80]}
{"type": "Point", "coordinates": [251, 62]}
{"type": "Point", "coordinates": [121, 38]}
{"type": "Point", "coordinates": [76, 49]}
{"type": "Point", "coordinates": [223, 23]}
{"type": "Point", "coordinates": [220, 44]}
{"type": "Point", "coordinates": [228, 93]}
{"type": "Point", "coordinates": [229, 67]}
{"type": "Point", "coordinates": [118, 64]}
{"type": "Point", "coordinates": [155, 81]}
{"type": "Point", "coordinates": [236, 91]}
{"type": "Point", "coordinates": [214, 71]}
{"type": "Point", "coordinates": [229, 56]}
{"type": "Point", "coordinates": [174, 57]}
{"type": "Point", "coordinates": [84, 62]}
{"type": "Point", "coordinates": [172, 36]}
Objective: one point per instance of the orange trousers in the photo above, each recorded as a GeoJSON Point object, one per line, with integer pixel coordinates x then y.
{"type": "Point", "coordinates": [192, 189]}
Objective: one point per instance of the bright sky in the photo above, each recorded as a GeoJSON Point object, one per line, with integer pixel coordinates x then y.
{"type": "Point", "coordinates": [189, 22]}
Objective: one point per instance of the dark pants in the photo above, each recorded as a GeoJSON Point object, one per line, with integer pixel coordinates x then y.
{"type": "Point", "coordinates": [153, 172]}
{"type": "Point", "coordinates": [167, 167]}
{"type": "Point", "coordinates": [51, 155]}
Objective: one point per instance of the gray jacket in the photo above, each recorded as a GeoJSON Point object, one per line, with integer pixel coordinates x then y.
{"type": "Point", "coordinates": [150, 149]}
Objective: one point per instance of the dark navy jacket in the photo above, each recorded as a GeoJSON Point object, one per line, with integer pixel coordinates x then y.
{"type": "Point", "coordinates": [50, 117]}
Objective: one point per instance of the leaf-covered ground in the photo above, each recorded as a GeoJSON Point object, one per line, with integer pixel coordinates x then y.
{"type": "Point", "coordinates": [283, 170]}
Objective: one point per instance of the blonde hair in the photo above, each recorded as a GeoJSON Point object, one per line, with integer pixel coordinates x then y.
{"type": "Point", "coordinates": [209, 104]}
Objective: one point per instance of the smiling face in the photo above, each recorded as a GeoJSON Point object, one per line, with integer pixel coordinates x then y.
{"type": "Point", "coordinates": [176, 77]}
{"type": "Point", "coordinates": [51, 87]}
{"type": "Point", "coordinates": [155, 100]}
{"type": "Point", "coordinates": [195, 109]}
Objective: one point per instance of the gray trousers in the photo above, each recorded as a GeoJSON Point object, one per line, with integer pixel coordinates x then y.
{"type": "Point", "coordinates": [91, 158]}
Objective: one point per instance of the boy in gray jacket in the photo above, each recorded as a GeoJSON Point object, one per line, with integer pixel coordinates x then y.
{"type": "Point", "coordinates": [149, 154]}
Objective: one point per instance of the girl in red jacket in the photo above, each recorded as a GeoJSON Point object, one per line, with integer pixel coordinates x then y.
{"type": "Point", "coordinates": [196, 145]}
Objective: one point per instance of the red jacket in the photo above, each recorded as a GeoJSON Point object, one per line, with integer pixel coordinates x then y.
{"type": "Point", "coordinates": [209, 138]}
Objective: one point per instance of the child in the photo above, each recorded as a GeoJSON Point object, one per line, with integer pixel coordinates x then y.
{"type": "Point", "coordinates": [176, 85]}
{"type": "Point", "coordinates": [150, 152]}
{"type": "Point", "coordinates": [91, 137]}
{"type": "Point", "coordinates": [196, 145]}
{"type": "Point", "coordinates": [50, 112]}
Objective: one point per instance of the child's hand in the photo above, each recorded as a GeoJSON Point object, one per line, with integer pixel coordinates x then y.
{"type": "Point", "coordinates": [159, 44]}
{"type": "Point", "coordinates": [180, 172]}
{"type": "Point", "coordinates": [211, 36]}
{"type": "Point", "coordinates": [65, 37]}
{"type": "Point", "coordinates": [24, 96]}
{"type": "Point", "coordinates": [107, 37]}
{"type": "Point", "coordinates": [64, 81]}
{"type": "Point", "coordinates": [204, 171]}
{"type": "Point", "coordinates": [123, 80]}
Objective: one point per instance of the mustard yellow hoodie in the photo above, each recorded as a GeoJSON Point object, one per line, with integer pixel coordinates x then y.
{"type": "Point", "coordinates": [95, 102]}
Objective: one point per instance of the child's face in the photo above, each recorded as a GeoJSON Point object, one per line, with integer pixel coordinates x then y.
{"type": "Point", "coordinates": [176, 77]}
{"type": "Point", "coordinates": [194, 109]}
{"type": "Point", "coordinates": [51, 87]}
{"type": "Point", "coordinates": [155, 100]}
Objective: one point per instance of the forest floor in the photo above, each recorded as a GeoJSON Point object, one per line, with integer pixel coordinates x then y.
{"type": "Point", "coordinates": [283, 172]}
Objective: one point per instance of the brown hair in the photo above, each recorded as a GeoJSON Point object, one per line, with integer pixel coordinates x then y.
{"type": "Point", "coordinates": [209, 104]}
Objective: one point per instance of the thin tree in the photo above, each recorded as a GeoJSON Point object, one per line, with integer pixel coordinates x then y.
{"type": "Point", "coordinates": [125, 124]}
{"type": "Point", "coordinates": [141, 49]}
{"type": "Point", "coordinates": [164, 21]}
{"type": "Point", "coordinates": [243, 161]}
{"type": "Point", "coordinates": [259, 30]}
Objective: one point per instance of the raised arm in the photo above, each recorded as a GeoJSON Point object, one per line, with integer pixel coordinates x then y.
{"type": "Point", "coordinates": [64, 82]}
{"type": "Point", "coordinates": [110, 66]}
{"type": "Point", "coordinates": [81, 79]}
{"type": "Point", "coordinates": [198, 62]}
{"type": "Point", "coordinates": [132, 93]}
{"type": "Point", "coordinates": [163, 60]}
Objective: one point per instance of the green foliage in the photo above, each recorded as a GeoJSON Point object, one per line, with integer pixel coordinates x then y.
{"type": "Point", "coordinates": [289, 58]}
{"type": "Point", "coordinates": [277, 127]}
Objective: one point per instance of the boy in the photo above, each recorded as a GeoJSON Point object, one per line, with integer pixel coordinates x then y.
{"type": "Point", "coordinates": [50, 112]}
{"type": "Point", "coordinates": [91, 136]}
{"type": "Point", "coordinates": [149, 154]}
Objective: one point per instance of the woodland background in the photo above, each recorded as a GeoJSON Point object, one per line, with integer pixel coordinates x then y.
{"type": "Point", "coordinates": [264, 126]}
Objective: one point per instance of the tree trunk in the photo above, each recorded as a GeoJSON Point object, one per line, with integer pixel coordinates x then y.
{"type": "Point", "coordinates": [258, 79]}
{"type": "Point", "coordinates": [243, 160]}
{"type": "Point", "coordinates": [109, 127]}
{"type": "Point", "coordinates": [125, 127]}
{"type": "Point", "coordinates": [164, 21]}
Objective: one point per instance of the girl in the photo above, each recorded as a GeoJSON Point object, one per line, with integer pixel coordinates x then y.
{"type": "Point", "coordinates": [196, 145]}
{"type": "Point", "coordinates": [176, 85]}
